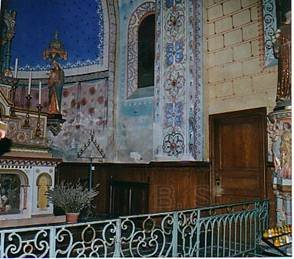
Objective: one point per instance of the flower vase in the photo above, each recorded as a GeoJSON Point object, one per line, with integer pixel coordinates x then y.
{"type": "Point", "coordinates": [72, 217]}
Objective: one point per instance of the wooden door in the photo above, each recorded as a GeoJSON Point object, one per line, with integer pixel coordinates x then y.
{"type": "Point", "coordinates": [238, 153]}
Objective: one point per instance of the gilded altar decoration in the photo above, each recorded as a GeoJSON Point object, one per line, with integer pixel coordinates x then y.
{"type": "Point", "coordinates": [56, 76]}
{"type": "Point", "coordinates": [282, 51]}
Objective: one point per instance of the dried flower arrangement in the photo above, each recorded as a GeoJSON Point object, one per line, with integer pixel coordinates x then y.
{"type": "Point", "coordinates": [72, 198]}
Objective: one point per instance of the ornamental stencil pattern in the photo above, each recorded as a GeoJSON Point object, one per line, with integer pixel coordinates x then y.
{"type": "Point", "coordinates": [270, 26]}
{"type": "Point", "coordinates": [174, 52]}
{"type": "Point", "coordinates": [178, 85]}
{"type": "Point", "coordinates": [175, 73]}
{"type": "Point", "coordinates": [196, 137]}
{"type": "Point", "coordinates": [132, 45]}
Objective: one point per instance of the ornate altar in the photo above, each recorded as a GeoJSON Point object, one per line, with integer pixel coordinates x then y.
{"type": "Point", "coordinates": [27, 171]}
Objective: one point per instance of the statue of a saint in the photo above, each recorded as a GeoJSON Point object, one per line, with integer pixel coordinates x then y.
{"type": "Point", "coordinates": [54, 52]}
{"type": "Point", "coordinates": [55, 85]}
{"type": "Point", "coordinates": [282, 51]}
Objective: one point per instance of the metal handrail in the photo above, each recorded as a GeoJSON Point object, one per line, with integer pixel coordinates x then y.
{"type": "Point", "coordinates": [214, 231]}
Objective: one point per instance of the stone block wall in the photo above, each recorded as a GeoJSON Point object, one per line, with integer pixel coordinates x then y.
{"type": "Point", "coordinates": [235, 75]}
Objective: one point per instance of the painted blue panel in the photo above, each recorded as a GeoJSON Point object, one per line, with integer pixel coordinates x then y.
{"type": "Point", "coordinates": [79, 23]}
{"type": "Point", "coordinates": [143, 108]}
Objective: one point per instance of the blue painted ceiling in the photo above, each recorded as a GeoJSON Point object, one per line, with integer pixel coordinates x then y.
{"type": "Point", "coordinates": [79, 23]}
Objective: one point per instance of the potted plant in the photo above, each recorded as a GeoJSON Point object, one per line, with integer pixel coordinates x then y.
{"type": "Point", "coordinates": [72, 198]}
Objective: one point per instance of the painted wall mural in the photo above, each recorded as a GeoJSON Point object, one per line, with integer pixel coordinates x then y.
{"type": "Point", "coordinates": [85, 108]}
{"type": "Point", "coordinates": [82, 26]}
{"type": "Point", "coordinates": [167, 125]}
{"type": "Point", "coordinates": [178, 120]}
{"type": "Point", "coordinates": [163, 122]}
{"type": "Point", "coordinates": [134, 121]}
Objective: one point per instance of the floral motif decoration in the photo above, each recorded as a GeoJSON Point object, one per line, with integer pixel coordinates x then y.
{"type": "Point", "coordinates": [173, 114]}
{"type": "Point", "coordinates": [173, 144]}
{"type": "Point", "coordinates": [171, 3]}
{"type": "Point", "coordinates": [174, 52]}
{"type": "Point", "coordinates": [175, 83]}
{"type": "Point", "coordinates": [175, 21]}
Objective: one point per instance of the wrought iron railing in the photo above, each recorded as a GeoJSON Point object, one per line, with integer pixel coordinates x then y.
{"type": "Point", "coordinates": [217, 231]}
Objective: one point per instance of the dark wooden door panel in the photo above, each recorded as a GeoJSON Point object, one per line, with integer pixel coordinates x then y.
{"type": "Point", "coordinates": [238, 145]}
{"type": "Point", "coordinates": [128, 198]}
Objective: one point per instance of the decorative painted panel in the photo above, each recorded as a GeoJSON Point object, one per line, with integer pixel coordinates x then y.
{"type": "Point", "coordinates": [132, 49]}
{"type": "Point", "coordinates": [196, 138]}
{"type": "Point", "coordinates": [178, 87]}
{"type": "Point", "coordinates": [82, 26]}
{"type": "Point", "coordinates": [85, 108]}
{"type": "Point", "coordinates": [270, 26]}
{"type": "Point", "coordinates": [134, 121]}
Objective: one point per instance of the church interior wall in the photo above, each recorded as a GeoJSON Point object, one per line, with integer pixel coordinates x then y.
{"type": "Point", "coordinates": [139, 130]}
{"type": "Point", "coordinates": [236, 77]}
{"type": "Point", "coordinates": [134, 115]}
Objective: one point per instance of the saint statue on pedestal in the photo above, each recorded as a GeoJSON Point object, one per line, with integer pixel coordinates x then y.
{"type": "Point", "coordinates": [55, 86]}
{"type": "Point", "coordinates": [282, 51]}
{"type": "Point", "coordinates": [56, 75]}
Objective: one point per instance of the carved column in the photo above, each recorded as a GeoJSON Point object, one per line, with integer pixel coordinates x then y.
{"type": "Point", "coordinates": [279, 128]}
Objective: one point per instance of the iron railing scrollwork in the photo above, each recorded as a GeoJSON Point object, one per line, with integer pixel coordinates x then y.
{"type": "Point", "coordinates": [216, 231]}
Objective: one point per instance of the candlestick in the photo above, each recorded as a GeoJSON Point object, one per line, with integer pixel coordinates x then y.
{"type": "Point", "coordinates": [15, 67]}
{"type": "Point", "coordinates": [40, 91]}
{"type": "Point", "coordinates": [13, 82]}
{"type": "Point", "coordinates": [38, 132]}
{"type": "Point", "coordinates": [30, 82]}
{"type": "Point", "coordinates": [27, 119]}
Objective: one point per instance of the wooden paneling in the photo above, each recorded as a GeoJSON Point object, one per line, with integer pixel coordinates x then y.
{"type": "Point", "coordinates": [128, 198]}
{"type": "Point", "coordinates": [238, 150]}
{"type": "Point", "coordinates": [172, 185]}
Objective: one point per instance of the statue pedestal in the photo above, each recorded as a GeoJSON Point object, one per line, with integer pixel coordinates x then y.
{"type": "Point", "coordinates": [279, 128]}
{"type": "Point", "coordinates": [54, 123]}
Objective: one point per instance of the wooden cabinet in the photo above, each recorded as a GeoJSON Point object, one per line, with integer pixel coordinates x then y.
{"type": "Point", "coordinates": [128, 198]}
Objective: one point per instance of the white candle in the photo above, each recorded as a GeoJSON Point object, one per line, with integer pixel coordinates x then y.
{"type": "Point", "coordinates": [40, 91]}
{"type": "Point", "coordinates": [30, 83]}
{"type": "Point", "coordinates": [15, 67]}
